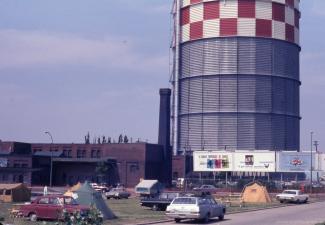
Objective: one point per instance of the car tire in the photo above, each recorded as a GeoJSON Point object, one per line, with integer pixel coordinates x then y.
{"type": "Point", "coordinates": [306, 200]}
{"type": "Point", "coordinates": [177, 220]}
{"type": "Point", "coordinates": [281, 201]}
{"type": "Point", "coordinates": [155, 207]}
{"type": "Point", "coordinates": [206, 219]}
{"type": "Point", "coordinates": [108, 197]}
{"type": "Point", "coordinates": [221, 217]}
{"type": "Point", "coordinates": [32, 217]}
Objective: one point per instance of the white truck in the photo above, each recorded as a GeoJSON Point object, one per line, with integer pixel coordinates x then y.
{"type": "Point", "coordinates": [292, 196]}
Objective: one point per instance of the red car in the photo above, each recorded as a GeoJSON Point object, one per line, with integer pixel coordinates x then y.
{"type": "Point", "coordinates": [52, 207]}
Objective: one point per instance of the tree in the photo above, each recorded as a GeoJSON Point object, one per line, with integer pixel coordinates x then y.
{"type": "Point", "coordinates": [120, 139]}
{"type": "Point", "coordinates": [126, 140]}
{"type": "Point", "coordinates": [101, 170]}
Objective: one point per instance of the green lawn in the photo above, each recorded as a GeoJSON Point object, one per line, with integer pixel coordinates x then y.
{"type": "Point", "coordinates": [128, 211]}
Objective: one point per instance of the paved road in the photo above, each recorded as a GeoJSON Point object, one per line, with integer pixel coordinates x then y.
{"type": "Point", "coordinates": [306, 214]}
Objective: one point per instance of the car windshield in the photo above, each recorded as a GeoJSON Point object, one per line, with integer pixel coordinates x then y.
{"type": "Point", "coordinates": [184, 201]}
{"type": "Point", "coordinates": [141, 189]}
{"type": "Point", "coordinates": [69, 201]}
{"type": "Point", "coordinates": [289, 192]}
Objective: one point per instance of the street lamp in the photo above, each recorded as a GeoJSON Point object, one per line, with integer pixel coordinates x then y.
{"type": "Point", "coordinates": [51, 163]}
{"type": "Point", "coordinates": [311, 161]}
{"type": "Point", "coordinates": [316, 153]}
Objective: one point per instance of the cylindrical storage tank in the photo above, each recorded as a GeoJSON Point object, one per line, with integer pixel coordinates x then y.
{"type": "Point", "coordinates": [238, 78]}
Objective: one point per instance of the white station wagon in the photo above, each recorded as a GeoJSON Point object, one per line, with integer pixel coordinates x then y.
{"type": "Point", "coordinates": [201, 208]}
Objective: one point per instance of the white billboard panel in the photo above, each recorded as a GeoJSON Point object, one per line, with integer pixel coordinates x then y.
{"type": "Point", "coordinates": [212, 161]}
{"type": "Point", "coordinates": [322, 162]}
{"type": "Point", "coordinates": [254, 161]}
{"type": "Point", "coordinates": [296, 162]}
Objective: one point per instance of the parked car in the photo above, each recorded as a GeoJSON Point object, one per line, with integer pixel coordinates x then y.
{"type": "Point", "coordinates": [117, 193]}
{"type": "Point", "coordinates": [99, 187]}
{"type": "Point", "coordinates": [206, 188]}
{"type": "Point", "coordinates": [52, 207]}
{"type": "Point", "coordinates": [201, 208]}
{"type": "Point", "coordinates": [292, 196]}
{"type": "Point", "coordinates": [159, 202]}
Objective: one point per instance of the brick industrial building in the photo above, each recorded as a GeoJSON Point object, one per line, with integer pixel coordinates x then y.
{"type": "Point", "coordinates": [30, 163]}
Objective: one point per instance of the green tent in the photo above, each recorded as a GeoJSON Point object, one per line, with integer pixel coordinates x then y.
{"type": "Point", "coordinates": [88, 196]}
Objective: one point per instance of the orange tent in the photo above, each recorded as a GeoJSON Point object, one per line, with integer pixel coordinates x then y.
{"type": "Point", "coordinates": [255, 192]}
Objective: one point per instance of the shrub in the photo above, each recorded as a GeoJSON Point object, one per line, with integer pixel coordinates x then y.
{"type": "Point", "coordinates": [94, 218]}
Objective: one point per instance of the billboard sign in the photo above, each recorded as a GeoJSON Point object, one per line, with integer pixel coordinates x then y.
{"type": "Point", "coordinates": [322, 162]}
{"type": "Point", "coordinates": [254, 161]}
{"type": "Point", "coordinates": [294, 162]}
{"type": "Point", "coordinates": [212, 161]}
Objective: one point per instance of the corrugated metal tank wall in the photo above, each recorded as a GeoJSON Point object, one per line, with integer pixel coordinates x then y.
{"type": "Point", "coordinates": [239, 77]}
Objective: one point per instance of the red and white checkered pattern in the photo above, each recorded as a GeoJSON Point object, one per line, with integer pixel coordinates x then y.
{"type": "Point", "coordinates": [277, 19]}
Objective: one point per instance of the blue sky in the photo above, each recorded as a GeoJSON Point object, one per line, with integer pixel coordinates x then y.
{"type": "Point", "coordinates": [75, 66]}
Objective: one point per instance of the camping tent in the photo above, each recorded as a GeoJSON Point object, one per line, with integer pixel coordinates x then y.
{"type": "Point", "coordinates": [68, 193]}
{"type": "Point", "coordinates": [14, 193]}
{"type": "Point", "coordinates": [75, 187]}
{"type": "Point", "coordinates": [86, 195]}
{"type": "Point", "coordinates": [255, 192]}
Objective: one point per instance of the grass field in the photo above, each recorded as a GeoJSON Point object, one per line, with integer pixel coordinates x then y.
{"type": "Point", "coordinates": [128, 212]}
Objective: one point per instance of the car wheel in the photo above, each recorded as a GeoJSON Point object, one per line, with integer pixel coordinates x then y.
{"type": "Point", "coordinates": [177, 220]}
{"type": "Point", "coordinates": [108, 197]}
{"type": "Point", "coordinates": [306, 200]}
{"type": "Point", "coordinates": [206, 218]}
{"type": "Point", "coordinates": [298, 201]}
{"type": "Point", "coordinates": [281, 201]}
{"type": "Point", "coordinates": [155, 207]}
{"type": "Point", "coordinates": [221, 217]}
{"type": "Point", "coordinates": [33, 217]}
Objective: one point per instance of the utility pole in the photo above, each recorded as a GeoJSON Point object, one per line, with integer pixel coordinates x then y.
{"type": "Point", "coordinates": [51, 163]}
{"type": "Point", "coordinates": [316, 147]}
{"type": "Point", "coordinates": [311, 162]}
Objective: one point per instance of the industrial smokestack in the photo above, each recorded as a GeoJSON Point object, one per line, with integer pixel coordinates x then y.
{"type": "Point", "coordinates": [164, 134]}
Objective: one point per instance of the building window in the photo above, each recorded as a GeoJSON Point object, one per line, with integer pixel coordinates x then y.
{"type": "Point", "coordinates": [94, 153]}
{"type": "Point", "coordinates": [24, 165]}
{"type": "Point", "coordinates": [69, 153]}
{"type": "Point", "coordinates": [84, 154]}
{"type": "Point", "coordinates": [79, 153]}
{"type": "Point", "coordinates": [134, 168]}
{"type": "Point", "coordinates": [98, 154]}
{"type": "Point", "coordinates": [65, 153]}
{"type": "Point", "coordinates": [37, 149]}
